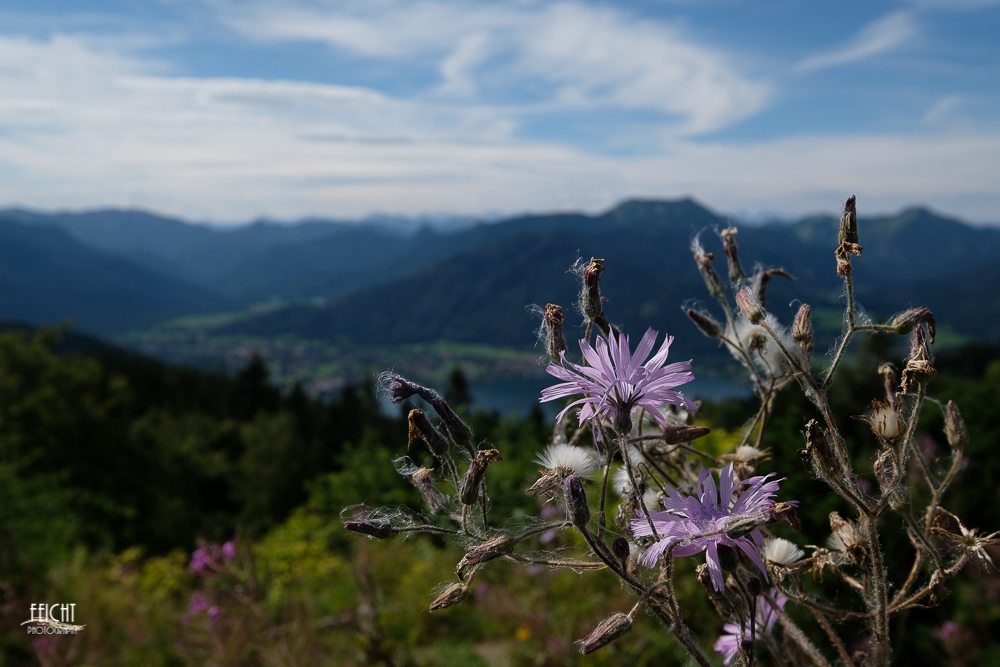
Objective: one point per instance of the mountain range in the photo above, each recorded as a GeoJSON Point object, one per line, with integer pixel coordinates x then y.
{"type": "Point", "coordinates": [115, 271]}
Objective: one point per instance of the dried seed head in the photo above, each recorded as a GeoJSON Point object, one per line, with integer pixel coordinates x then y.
{"type": "Point", "coordinates": [802, 330]}
{"type": "Point", "coordinates": [732, 255]}
{"type": "Point", "coordinates": [845, 538]}
{"type": "Point", "coordinates": [576, 502]}
{"type": "Point", "coordinates": [954, 427]}
{"type": "Point", "coordinates": [705, 323]}
{"type": "Point", "coordinates": [422, 429]}
{"type": "Point", "coordinates": [886, 471]}
{"type": "Point", "coordinates": [609, 630]}
{"type": "Point", "coordinates": [905, 322]}
{"type": "Point", "coordinates": [489, 550]}
{"type": "Point", "coordinates": [818, 447]}
{"type": "Point", "coordinates": [565, 459]}
{"type": "Point", "coordinates": [436, 500]}
{"type": "Point", "coordinates": [471, 485]}
{"type": "Point", "coordinates": [377, 528]}
{"type": "Point", "coordinates": [849, 222]}
{"type": "Point", "coordinates": [843, 255]}
{"type": "Point", "coordinates": [761, 280]}
{"type": "Point", "coordinates": [886, 420]}
{"type": "Point", "coordinates": [918, 366]}
{"type": "Point", "coordinates": [555, 341]}
{"type": "Point", "coordinates": [712, 280]}
{"type": "Point", "coordinates": [749, 306]}
{"type": "Point", "coordinates": [780, 551]}
{"type": "Point", "coordinates": [451, 596]}
{"type": "Point", "coordinates": [590, 293]}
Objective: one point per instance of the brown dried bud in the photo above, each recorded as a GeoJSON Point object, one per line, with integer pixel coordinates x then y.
{"type": "Point", "coordinates": [754, 586]}
{"type": "Point", "coordinates": [705, 323]}
{"type": "Point", "coordinates": [471, 485]}
{"type": "Point", "coordinates": [761, 280]}
{"type": "Point", "coordinates": [904, 323]}
{"type": "Point", "coordinates": [487, 551]}
{"type": "Point", "coordinates": [886, 471]}
{"type": "Point", "coordinates": [712, 280]}
{"type": "Point", "coordinates": [729, 559]}
{"type": "Point", "coordinates": [919, 366]}
{"type": "Point", "coordinates": [555, 341]}
{"type": "Point", "coordinates": [938, 591]}
{"type": "Point", "coordinates": [674, 435]}
{"type": "Point", "coordinates": [421, 428]}
{"type": "Point", "coordinates": [954, 427]}
{"type": "Point", "coordinates": [377, 528]}
{"type": "Point", "coordinates": [818, 447]}
{"type": "Point", "coordinates": [749, 306]}
{"type": "Point", "coordinates": [886, 420]}
{"type": "Point", "coordinates": [849, 223]}
{"type": "Point", "coordinates": [590, 294]}
{"type": "Point", "coordinates": [436, 500]}
{"type": "Point", "coordinates": [889, 375]}
{"type": "Point", "coordinates": [609, 630]}
{"type": "Point", "coordinates": [459, 431]}
{"type": "Point", "coordinates": [732, 255]}
{"type": "Point", "coordinates": [451, 596]}
{"type": "Point", "coordinates": [620, 547]}
{"type": "Point", "coordinates": [576, 502]}
{"type": "Point", "coordinates": [802, 330]}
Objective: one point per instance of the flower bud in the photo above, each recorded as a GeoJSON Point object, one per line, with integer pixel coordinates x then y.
{"type": "Point", "coordinates": [621, 549]}
{"type": "Point", "coordinates": [802, 330]}
{"type": "Point", "coordinates": [471, 485]}
{"type": "Point", "coordinates": [749, 306]}
{"type": "Point", "coordinates": [377, 528]}
{"type": "Point", "coordinates": [954, 427]}
{"type": "Point", "coordinates": [451, 596]}
{"type": "Point", "coordinates": [754, 587]}
{"type": "Point", "coordinates": [849, 223]}
{"type": "Point", "coordinates": [729, 559]}
{"type": "Point", "coordinates": [555, 341]}
{"type": "Point", "coordinates": [487, 551]}
{"type": "Point", "coordinates": [673, 435]}
{"type": "Point", "coordinates": [886, 471]}
{"type": "Point", "coordinates": [732, 255]}
{"type": "Point", "coordinates": [609, 630]}
{"type": "Point", "coordinates": [576, 502]}
{"type": "Point", "coordinates": [761, 280]}
{"type": "Point", "coordinates": [436, 500]}
{"type": "Point", "coordinates": [457, 429]}
{"type": "Point", "coordinates": [590, 294]}
{"type": "Point", "coordinates": [421, 428]}
{"type": "Point", "coordinates": [705, 323]}
{"type": "Point", "coordinates": [904, 323]}
{"type": "Point", "coordinates": [712, 280]}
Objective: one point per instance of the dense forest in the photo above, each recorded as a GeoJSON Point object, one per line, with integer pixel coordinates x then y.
{"type": "Point", "coordinates": [196, 518]}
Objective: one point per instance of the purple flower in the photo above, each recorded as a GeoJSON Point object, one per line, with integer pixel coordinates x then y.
{"type": "Point", "coordinates": [228, 550]}
{"type": "Point", "coordinates": [616, 382]}
{"type": "Point", "coordinates": [729, 644]}
{"type": "Point", "coordinates": [214, 613]}
{"type": "Point", "coordinates": [199, 603]}
{"type": "Point", "coordinates": [711, 519]}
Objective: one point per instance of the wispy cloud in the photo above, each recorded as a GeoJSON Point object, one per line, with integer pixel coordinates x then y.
{"type": "Point", "coordinates": [942, 108]}
{"type": "Point", "coordinates": [564, 54]}
{"type": "Point", "coordinates": [886, 34]}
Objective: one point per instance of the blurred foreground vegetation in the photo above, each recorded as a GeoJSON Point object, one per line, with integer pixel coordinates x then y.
{"type": "Point", "coordinates": [115, 468]}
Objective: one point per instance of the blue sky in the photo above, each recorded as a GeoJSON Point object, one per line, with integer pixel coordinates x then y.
{"type": "Point", "coordinates": [226, 111]}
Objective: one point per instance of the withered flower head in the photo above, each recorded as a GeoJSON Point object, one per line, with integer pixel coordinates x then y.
{"type": "Point", "coordinates": [905, 322]}
{"type": "Point", "coordinates": [436, 500]}
{"type": "Point", "coordinates": [704, 261]}
{"type": "Point", "coordinates": [954, 427]}
{"type": "Point", "coordinates": [918, 366]}
{"type": "Point", "coordinates": [802, 330]}
{"type": "Point", "coordinates": [590, 291]}
{"type": "Point", "coordinates": [555, 341]}
{"type": "Point", "coordinates": [845, 537]}
{"type": "Point", "coordinates": [761, 281]}
{"type": "Point", "coordinates": [732, 255]}
{"type": "Point", "coordinates": [609, 630]}
{"type": "Point", "coordinates": [705, 323]}
{"type": "Point", "coordinates": [749, 306]}
{"type": "Point", "coordinates": [469, 492]}
{"type": "Point", "coordinates": [422, 429]}
{"type": "Point", "coordinates": [886, 420]}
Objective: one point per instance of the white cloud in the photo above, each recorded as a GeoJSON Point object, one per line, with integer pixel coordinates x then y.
{"type": "Point", "coordinates": [82, 127]}
{"type": "Point", "coordinates": [886, 34]}
{"type": "Point", "coordinates": [942, 108]}
{"type": "Point", "coordinates": [581, 55]}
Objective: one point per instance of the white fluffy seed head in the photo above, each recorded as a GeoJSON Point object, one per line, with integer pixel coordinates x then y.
{"type": "Point", "coordinates": [781, 551]}
{"type": "Point", "coordinates": [620, 483]}
{"type": "Point", "coordinates": [567, 459]}
{"type": "Point", "coordinates": [845, 538]}
{"type": "Point", "coordinates": [746, 453]}
{"type": "Point", "coordinates": [651, 499]}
